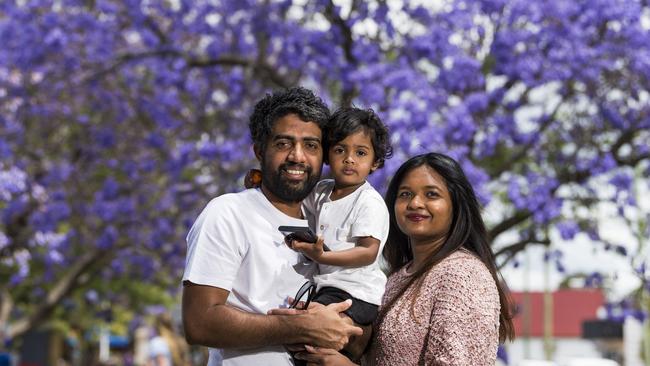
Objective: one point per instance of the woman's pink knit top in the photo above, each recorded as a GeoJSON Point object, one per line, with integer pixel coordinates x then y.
{"type": "Point", "coordinates": [455, 319]}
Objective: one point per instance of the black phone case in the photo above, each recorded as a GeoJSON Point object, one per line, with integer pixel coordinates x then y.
{"type": "Point", "coordinates": [300, 233]}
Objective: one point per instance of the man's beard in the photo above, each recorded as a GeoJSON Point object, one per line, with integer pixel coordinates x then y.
{"type": "Point", "coordinates": [285, 189]}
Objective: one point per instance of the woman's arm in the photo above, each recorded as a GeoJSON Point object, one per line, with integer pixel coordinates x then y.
{"type": "Point", "coordinates": [464, 324]}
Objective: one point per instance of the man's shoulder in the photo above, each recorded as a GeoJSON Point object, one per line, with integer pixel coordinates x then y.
{"type": "Point", "coordinates": [235, 201]}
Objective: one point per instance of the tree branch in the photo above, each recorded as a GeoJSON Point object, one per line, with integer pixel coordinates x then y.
{"type": "Point", "coordinates": [18, 230]}
{"type": "Point", "coordinates": [62, 288]}
{"type": "Point", "coordinates": [6, 305]}
{"type": "Point", "coordinates": [523, 151]}
{"type": "Point", "coordinates": [511, 250]}
{"type": "Point", "coordinates": [125, 58]}
{"type": "Point", "coordinates": [516, 219]}
{"type": "Point", "coordinates": [262, 68]}
{"type": "Point", "coordinates": [336, 20]}
{"type": "Point", "coordinates": [572, 177]}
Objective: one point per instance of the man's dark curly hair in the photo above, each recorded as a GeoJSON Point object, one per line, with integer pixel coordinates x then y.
{"type": "Point", "coordinates": [348, 120]}
{"type": "Point", "coordinates": [298, 100]}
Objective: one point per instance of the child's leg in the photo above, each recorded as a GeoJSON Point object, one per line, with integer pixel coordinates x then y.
{"type": "Point", "coordinates": [361, 314]}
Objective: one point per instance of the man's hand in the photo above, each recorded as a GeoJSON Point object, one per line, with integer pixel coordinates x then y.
{"type": "Point", "coordinates": [323, 356]}
{"type": "Point", "coordinates": [323, 326]}
{"type": "Point", "coordinates": [312, 250]}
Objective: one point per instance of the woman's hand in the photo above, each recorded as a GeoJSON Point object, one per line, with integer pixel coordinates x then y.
{"type": "Point", "coordinates": [323, 356]}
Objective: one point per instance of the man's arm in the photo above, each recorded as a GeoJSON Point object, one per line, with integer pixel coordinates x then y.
{"type": "Point", "coordinates": [209, 321]}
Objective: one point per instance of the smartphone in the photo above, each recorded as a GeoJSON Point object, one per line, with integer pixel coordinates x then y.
{"type": "Point", "coordinates": [300, 233]}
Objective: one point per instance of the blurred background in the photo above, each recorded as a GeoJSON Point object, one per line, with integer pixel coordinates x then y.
{"type": "Point", "coordinates": [120, 120]}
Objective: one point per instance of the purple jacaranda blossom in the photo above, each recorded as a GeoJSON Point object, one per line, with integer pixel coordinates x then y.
{"type": "Point", "coordinates": [105, 210]}
{"type": "Point", "coordinates": [568, 229]}
{"type": "Point", "coordinates": [622, 181]}
{"type": "Point", "coordinates": [593, 234]}
{"type": "Point", "coordinates": [52, 257]}
{"type": "Point", "coordinates": [479, 179]}
{"type": "Point", "coordinates": [462, 75]}
{"type": "Point", "coordinates": [15, 208]}
{"type": "Point", "coordinates": [487, 144]}
{"type": "Point", "coordinates": [5, 149]}
{"type": "Point", "coordinates": [612, 116]}
{"type": "Point", "coordinates": [50, 215]}
{"type": "Point", "coordinates": [181, 158]}
{"type": "Point", "coordinates": [12, 181]}
{"type": "Point", "coordinates": [130, 168]}
{"type": "Point", "coordinates": [459, 126]}
{"type": "Point", "coordinates": [491, 7]}
{"type": "Point", "coordinates": [4, 240]}
{"type": "Point", "coordinates": [20, 260]}
{"type": "Point", "coordinates": [476, 102]}
{"type": "Point", "coordinates": [110, 190]}
{"type": "Point", "coordinates": [48, 239]}
{"type": "Point", "coordinates": [92, 296]}
{"type": "Point", "coordinates": [208, 150]}
{"type": "Point", "coordinates": [594, 280]}
{"type": "Point", "coordinates": [107, 238]}
{"type": "Point", "coordinates": [155, 140]}
{"type": "Point", "coordinates": [553, 255]}
{"type": "Point", "coordinates": [57, 174]}
{"type": "Point", "coordinates": [534, 192]}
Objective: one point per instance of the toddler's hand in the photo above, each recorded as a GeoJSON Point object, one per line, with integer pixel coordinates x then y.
{"type": "Point", "coordinates": [253, 178]}
{"type": "Point", "coordinates": [312, 250]}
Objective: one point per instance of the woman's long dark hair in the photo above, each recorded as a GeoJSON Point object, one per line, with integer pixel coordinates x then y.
{"type": "Point", "coordinates": [467, 230]}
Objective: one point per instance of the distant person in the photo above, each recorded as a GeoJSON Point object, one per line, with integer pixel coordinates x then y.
{"type": "Point", "coordinates": [165, 348]}
{"type": "Point", "coordinates": [159, 352]}
{"type": "Point", "coordinates": [238, 266]}
{"type": "Point", "coordinates": [444, 302]}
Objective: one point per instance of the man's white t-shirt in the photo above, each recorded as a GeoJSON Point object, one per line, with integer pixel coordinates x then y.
{"type": "Point", "coordinates": [235, 245]}
{"type": "Point", "coordinates": [340, 222]}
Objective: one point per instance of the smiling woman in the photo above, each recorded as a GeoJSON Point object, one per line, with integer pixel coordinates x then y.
{"type": "Point", "coordinates": [444, 303]}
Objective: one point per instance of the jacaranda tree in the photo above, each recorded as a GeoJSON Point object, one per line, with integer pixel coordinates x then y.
{"type": "Point", "coordinates": [119, 120]}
